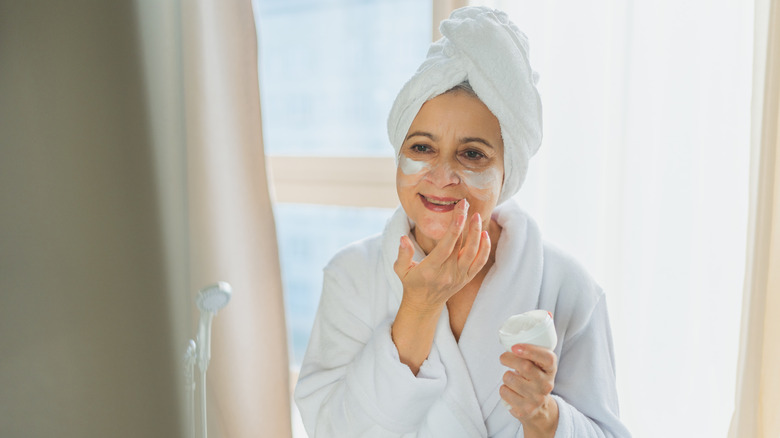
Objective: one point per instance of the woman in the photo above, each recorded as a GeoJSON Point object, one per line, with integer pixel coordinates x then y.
{"type": "Point", "coordinates": [405, 339]}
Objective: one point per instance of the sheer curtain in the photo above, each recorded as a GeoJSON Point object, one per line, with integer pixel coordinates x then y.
{"type": "Point", "coordinates": [643, 176]}
{"type": "Point", "coordinates": [89, 257]}
{"type": "Point", "coordinates": [112, 213]}
{"type": "Point", "coordinates": [232, 234]}
{"type": "Point", "coordinates": [757, 399]}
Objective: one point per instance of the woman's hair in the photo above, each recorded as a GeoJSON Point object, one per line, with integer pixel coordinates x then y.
{"type": "Point", "coordinates": [465, 87]}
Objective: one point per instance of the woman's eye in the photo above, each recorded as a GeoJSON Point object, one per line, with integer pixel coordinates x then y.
{"type": "Point", "coordinates": [473, 155]}
{"type": "Point", "coordinates": [420, 148]}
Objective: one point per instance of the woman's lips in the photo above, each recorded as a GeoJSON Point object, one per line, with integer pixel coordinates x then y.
{"type": "Point", "coordinates": [438, 204]}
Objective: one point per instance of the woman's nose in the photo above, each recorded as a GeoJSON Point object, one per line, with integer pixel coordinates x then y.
{"type": "Point", "coordinates": [442, 174]}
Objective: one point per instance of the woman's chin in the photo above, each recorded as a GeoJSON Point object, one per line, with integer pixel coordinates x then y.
{"type": "Point", "coordinates": [431, 230]}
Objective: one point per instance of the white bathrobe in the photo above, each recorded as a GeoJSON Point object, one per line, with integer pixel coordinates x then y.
{"type": "Point", "coordinates": [352, 383]}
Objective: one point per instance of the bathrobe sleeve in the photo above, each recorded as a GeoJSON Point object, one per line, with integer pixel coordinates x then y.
{"type": "Point", "coordinates": [585, 387]}
{"type": "Point", "coordinates": [352, 382]}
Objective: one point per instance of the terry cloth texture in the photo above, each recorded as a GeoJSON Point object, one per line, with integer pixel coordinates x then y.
{"type": "Point", "coordinates": [353, 384]}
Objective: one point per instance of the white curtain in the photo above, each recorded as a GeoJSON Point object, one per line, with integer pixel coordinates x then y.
{"type": "Point", "coordinates": [232, 234]}
{"type": "Point", "coordinates": [757, 412]}
{"type": "Point", "coordinates": [643, 177]}
{"type": "Point", "coordinates": [131, 174]}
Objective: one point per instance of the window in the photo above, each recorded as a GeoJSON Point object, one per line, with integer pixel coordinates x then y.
{"type": "Point", "coordinates": [306, 245]}
{"type": "Point", "coordinates": [329, 72]}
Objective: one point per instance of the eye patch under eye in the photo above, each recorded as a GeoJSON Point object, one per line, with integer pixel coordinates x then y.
{"type": "Point", "coordinates": [412, 167]}
{"type": "Point", "coordinates": [481, 180]}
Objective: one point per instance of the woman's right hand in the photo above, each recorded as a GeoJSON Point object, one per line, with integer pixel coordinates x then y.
{"type": "Point", "coordinates": [430, 283]}
{"type": "Point", "coordinates": [451, 264]}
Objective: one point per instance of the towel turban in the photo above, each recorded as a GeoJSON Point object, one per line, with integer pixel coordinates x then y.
{"type": "Point", "coordinates": [480, 45]}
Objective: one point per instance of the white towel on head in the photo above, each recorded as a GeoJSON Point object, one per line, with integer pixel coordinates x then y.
{"type": "Point", "coordinates": [482, 46]}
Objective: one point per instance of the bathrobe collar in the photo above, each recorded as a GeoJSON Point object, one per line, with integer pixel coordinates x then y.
{"type": "Point", "coordinates": [511, 286]}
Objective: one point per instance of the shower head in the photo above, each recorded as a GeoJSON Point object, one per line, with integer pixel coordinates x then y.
{"type": "Point", "coordinates": [210, 299]}
{"type": "Point", "coordinates": [213, 298]}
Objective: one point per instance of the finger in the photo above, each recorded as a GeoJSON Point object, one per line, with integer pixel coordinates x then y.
{"type": "Point", "coordinates": [521, 405]}
{"type": "Point", "coordinates": [513, 361]}
{"type": "Point", "coordinates": [518, 405]}
{"type": "Point", "coordinates": [470, 248]}
{"type": "Point", "coordinates": [482, 255]}
{"type": "Point", "coordinates": [518, 384]}
{"type": "Point", "coordinates": [528, 380]}
{"type": "Point", "coordinates": [405, 253]}
{"type": "Point", "coordinates": [442, 251]}
{"type": "Point", "coordinates": [543, 358]}
{"type": "Point", "coordinates": [524, 367]}
{"type": "Point", "coordinates": [510, 395]}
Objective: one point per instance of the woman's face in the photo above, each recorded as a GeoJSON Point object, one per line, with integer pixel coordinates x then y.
{"type": "Point", "coordinates": [453, 150]}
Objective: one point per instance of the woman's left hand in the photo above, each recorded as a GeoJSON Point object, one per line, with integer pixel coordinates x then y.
{"type": "Point", "coordinates": [527, 388]}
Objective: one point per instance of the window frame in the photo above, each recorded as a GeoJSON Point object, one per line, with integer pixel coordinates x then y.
{"type": "Point", "coordinates": [343, 181]}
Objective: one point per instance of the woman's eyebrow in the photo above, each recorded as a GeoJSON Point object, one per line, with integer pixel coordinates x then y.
{"type": "Point", "coordinates": [476, 140]}
{"type": "Point", "coordinates": [422, 134]}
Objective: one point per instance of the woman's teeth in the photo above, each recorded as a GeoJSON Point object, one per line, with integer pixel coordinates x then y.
{"type": "Point", "coordinates": [437, 202]}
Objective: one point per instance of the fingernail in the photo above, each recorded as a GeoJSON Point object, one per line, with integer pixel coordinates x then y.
{"type": "Point", "coordinates": [516, 349]}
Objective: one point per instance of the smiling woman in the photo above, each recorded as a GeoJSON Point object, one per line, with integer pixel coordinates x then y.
{"type": "Point", "coordinates": [644, 161]}
{"type": "Point", "coordinates": [454, 139]}
{"type": "Point", "coordinates": [405, 339]}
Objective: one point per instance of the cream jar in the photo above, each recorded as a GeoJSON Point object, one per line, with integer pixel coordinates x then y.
{"type": "Point", "coordinates": [535, 327]}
